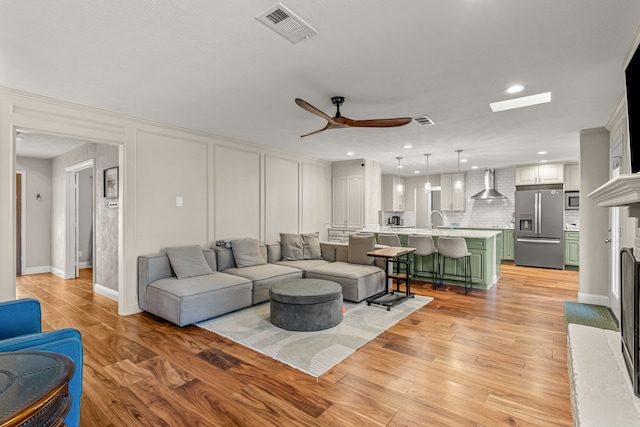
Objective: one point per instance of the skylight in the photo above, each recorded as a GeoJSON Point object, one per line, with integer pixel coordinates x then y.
{"type": "Point", "coordinates": [525, 101]}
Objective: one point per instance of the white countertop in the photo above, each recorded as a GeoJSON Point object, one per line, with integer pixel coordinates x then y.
{"type": "Point", "coordinates": [446, 232]}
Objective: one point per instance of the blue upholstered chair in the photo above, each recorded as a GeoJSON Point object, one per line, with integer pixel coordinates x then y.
{"type": "Point", "coordinates": [21, 330]}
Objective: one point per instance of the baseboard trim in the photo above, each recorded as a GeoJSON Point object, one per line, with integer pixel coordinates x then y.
{"type": "Point", "coordinates": [86, 264]}
{"type": "Point", "coordinates": [57, 272]}
{"type": "Point", "coordinates": [37, 270]}
{"type": "Point", "coordinates": [105, 292]}
{"type": "Point", "coordinates": [593, 299]}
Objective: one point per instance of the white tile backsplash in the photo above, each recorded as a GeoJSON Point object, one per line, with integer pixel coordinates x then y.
{"type": "Point", "coordinates": [572, 217]}
{"type": "Point", "coordinates": [486, 213]}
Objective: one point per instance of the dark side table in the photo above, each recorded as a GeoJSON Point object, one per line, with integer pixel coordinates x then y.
{"type": "Point", "coordinates": [34, 388]}
{"type": "Point", "coordinates": [398, 255]}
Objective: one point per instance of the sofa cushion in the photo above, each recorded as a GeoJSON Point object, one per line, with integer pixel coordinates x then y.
{"type": "Point", "coordinates": [198, 298]}
{"type": "Point", "coordinates": [188, 261]}
{"type": "Point", "coordinates": [358, 281]}
{"type": "Point", "coordinates": [263, 276]}
{"type": "Point", "coordinates": [246, 253]}
{"type": "Point", "coordinates": [359, 245]}
{"type": "Point", "coordinates": [291, 246]}
{"type": "Point", "coordinates": [303, 264]}
{"type": "Point", "coordinates": [311, 246]}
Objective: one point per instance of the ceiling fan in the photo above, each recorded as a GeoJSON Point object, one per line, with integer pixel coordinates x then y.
{"type": "Point", "coordinates": [339, 121]}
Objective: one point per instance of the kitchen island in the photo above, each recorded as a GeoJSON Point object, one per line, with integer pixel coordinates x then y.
{"type": "Point", "coordinates": [482, 244]}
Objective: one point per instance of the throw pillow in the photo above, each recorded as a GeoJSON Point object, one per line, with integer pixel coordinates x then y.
{"type": "Point", "coordinates": [246, 253]}
{"type": "Point", "coordinates": [188, 261]}
{"type": "Point", "coordinates": [358, 248]}
{"type": "Point", "coordinates": [292, 247]}
{"type": "Point", "coordinates": [311, 246]}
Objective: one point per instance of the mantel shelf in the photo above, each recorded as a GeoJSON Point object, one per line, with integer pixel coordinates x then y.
{"type": "Point", "coordinates": [623, 190]}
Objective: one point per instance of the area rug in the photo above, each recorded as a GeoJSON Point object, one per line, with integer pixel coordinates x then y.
{"type": "Point", "coordinates": [313, 353]}
{"type": "Point", "coordinates": [596, 316]}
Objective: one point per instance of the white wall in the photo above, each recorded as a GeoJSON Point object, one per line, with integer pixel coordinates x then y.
{"type": "Point", "coordinates": [38, 213]}
{"type": "Point", "coordinates": [221, 181]}
{"type": "Point", "coordinates": [594, 220]}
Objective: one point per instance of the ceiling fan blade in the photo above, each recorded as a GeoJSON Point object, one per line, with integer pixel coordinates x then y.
{"type": "Point", "coordinates": [328, 126]}
{"type": "Point", "coordinates": [313, 110]}
{"type": "Point", "coordinates": [377, 123]}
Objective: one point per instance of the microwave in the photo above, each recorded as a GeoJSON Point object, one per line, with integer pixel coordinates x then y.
{"type": "Point", "coordinates": [572, 200]}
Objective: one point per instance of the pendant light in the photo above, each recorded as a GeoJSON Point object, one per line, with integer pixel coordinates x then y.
{"type": "Point", "coordinates": [458, 184]}
{"type": "Point", "coordinates": [427, 185]}
{"type": "Point", "coordinates": [399, 187]}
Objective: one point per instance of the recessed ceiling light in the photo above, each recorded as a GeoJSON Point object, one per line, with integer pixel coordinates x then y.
{"type": "Point", "coordinates": [416, 171]}
{"type": "Point", "coordinates": [525, 101]}
{"type": "Point", "coordinates": [350, 153]}
{"type": "Point", "coordinates": [543, 161]}
{"type": "Point", "coordinates": [408, 146]}
{"type": "Point", "coordinates": [514, 89]}
{"type": "Point", "coordinates": [474, 167]}
{"type": "Point", "coordinates": [542, 152]}
{"type": "Point", "coordinates": [463, 161]}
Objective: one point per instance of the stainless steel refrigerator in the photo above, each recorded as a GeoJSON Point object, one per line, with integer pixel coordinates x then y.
{"type": "Point", "coordinates": [539, 227]}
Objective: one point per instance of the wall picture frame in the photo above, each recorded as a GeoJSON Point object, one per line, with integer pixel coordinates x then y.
{"type": "Point", "coordinates": [111, 183]}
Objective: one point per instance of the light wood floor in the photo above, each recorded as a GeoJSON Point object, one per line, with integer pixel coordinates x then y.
{"type": "Point", "coordinates": [490, 358]}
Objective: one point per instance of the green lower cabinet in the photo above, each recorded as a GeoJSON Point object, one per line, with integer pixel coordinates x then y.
{"type": "Point", "coordinates": [508, 244]}
{"type": "Point", "coordinates": [571, 250]}
{"type": "Point", "coordinates": [484, 268]}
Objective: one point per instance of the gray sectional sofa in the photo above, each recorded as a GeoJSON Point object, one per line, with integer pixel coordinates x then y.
{"type": "Point", "coordinates": [186, 285]}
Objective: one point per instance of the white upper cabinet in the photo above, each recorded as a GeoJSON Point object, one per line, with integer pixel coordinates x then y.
{"type": "Point", "coordinates": [348, 202]}
{"type": "Point", "coordinates": [572, 177]}
{"type": "Point", "coordinates": [551, 173]}
{"type": "Point", "coordinates": [356, 193]}
{"type": "Point", "coordinates": [392, 199]}
{"type": "Point", "coordinates": [450, 199]}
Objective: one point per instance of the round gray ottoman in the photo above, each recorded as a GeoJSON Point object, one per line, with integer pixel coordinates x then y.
{"type": "Point", "coordinates": [306, 304]}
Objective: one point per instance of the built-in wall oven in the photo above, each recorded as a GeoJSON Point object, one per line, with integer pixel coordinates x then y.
{"type": "Point", "coordinates": [572, 200]}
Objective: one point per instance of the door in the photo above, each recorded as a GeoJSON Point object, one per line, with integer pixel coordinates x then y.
{"type": "Point", "coordinates": [550, 214]}
{"type": "Point", "coordinates": [18, 224]}
{"type": "Point", "coordinates": [615, 231]}
{"type": "Point", "coordinates": [339, 202]}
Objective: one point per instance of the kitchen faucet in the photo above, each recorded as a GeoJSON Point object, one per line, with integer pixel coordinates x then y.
{"type": "Point", "coordinates": [430, 214]}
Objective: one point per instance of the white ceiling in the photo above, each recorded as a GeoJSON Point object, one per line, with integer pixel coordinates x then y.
{"type": "Point", "coordinates": [44, 146]}
{"type": "Point", "coordinates": [211, 66]}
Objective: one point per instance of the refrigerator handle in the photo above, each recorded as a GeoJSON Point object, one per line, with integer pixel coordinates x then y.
{"type": "Point", "coordinates": [535, 213]}
{"type": "Point", "coordinates": [539, 213]}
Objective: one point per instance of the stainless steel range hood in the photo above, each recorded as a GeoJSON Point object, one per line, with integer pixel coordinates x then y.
{"type": "Point", "coordinates": [489, 192]}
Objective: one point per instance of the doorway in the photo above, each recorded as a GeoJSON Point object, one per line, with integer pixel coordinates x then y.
{"type": "Point", "coordinates": [79, 217]}
{"type": "Point", "coordinates": [615, 234]}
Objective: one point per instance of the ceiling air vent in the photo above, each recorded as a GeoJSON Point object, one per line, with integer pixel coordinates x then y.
{"type": "Point", "coordinates": [423, 121]}
{"type": "Point", "coordinates": [284, 22]}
